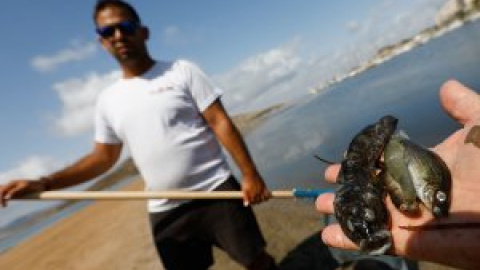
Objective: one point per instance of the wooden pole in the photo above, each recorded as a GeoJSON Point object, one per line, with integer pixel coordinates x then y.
{"type": "Point", "coordinates": [143, 195]}
{"type": "Point", "coordinates": [172, 195]}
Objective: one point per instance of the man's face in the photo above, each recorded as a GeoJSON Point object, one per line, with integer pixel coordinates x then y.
{"type": "Point", "coordinates": [121, 35]}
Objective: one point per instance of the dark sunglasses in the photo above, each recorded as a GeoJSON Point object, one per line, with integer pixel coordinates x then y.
{"type": "Point", "coordinates": [125, 27]}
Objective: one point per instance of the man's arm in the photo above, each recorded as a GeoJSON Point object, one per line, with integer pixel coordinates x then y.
{"type": "Point", "coordinates": [253, 186]}
{"type": "Point", "coordinates": [101, 159]}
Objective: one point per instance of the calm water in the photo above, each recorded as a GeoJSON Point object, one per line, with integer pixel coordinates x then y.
{"type": "Point", "coordinates": [406, 87]}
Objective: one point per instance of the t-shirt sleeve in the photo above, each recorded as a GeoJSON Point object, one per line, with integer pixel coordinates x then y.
{"type": "Point", "coordinates": [104, 132]}
{"type": "Point", "coordinates": [203, 91]}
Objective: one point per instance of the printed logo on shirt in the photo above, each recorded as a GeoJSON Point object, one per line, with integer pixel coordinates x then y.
{"type": "Point", "coordinates": [162, 89]}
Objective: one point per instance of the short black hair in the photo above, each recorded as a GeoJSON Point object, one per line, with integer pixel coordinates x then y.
{"type": "Point", "coordinates": [102, 4]}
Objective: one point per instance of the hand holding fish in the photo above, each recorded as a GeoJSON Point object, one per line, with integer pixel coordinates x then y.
{"type": "Point", "coordinates": [451, 240]}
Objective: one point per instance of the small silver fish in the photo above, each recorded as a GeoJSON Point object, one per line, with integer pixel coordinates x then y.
{"type": "Point", "coordinates": [396, 176]}
{"type": "Point", "coordinates": [411, 165]}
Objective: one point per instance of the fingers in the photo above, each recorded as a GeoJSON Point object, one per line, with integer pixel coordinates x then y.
{"type": "Point", "coordinates": [460, 102]}
{"type": "Point", "coordinates": [3, 196]}
{"type": "Point", "coordinates": [262, 196]}
{"type": "Point", "coordinates": [324, 203]}
{"type": "Point", "coordinates": [331, 173]}
{"type": "Point", "coordinates": [256, 196]}
{"type": "Point", "coordinates": [17, 188]}
{"type": "Point", "coordinates": [8, 191]}
{"type": "Point", "coordinates": [333, 236]}
{"type": "Point", "coordinates": [247, 199]}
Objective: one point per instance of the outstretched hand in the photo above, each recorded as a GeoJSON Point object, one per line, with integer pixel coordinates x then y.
{"type": "Point", "coordinates": [19, 188]}
{"type": "Point", "coordinates": [455, 244]}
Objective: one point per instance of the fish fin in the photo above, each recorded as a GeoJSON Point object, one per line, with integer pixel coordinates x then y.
{"type": "Point", "coordinates": [402, 134]}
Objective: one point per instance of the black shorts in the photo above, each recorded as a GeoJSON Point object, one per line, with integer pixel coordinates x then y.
{"type": "Point", "coordinates": [184, 236]}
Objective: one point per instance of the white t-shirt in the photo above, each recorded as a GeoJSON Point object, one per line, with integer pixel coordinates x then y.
{"type": "Point", "coordinates": [158, 117]}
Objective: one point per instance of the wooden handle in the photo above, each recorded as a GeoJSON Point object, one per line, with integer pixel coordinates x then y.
{"type": "Point", "coordinates": [142, 195]}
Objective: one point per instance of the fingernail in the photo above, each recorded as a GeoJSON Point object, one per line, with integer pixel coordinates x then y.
{"type": "Point", "coordinates": [246, 204]}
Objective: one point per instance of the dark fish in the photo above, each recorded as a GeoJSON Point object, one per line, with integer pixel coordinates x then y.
{"type": "Point", "coordinates": [361, 212]}
{"type": "Point", "coordinates": [358, 205]}
{"type": "Point", "coordinates": [367, 146]}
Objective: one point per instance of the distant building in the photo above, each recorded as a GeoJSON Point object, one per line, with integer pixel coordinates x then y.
{"type": "Point", "coordinates": [455, 9]}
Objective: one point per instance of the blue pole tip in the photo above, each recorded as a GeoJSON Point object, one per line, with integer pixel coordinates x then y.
{"type": "Point", "coordinates": [311, 193]}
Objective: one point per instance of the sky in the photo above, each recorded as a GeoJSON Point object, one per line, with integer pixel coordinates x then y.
{"type": "Point", "coordinates": [259, 52]}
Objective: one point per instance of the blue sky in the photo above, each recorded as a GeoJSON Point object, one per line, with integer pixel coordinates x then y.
{"type": "Point", "coordinates": [259, 52]}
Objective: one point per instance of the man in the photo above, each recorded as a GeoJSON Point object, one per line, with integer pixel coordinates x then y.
{"type": "Point", "coordinates": [170, 116]}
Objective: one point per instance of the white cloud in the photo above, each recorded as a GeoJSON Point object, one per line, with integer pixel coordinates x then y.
{"type": "Point", "coordinates": [172, 35]}
{"type": "Point", "coordinates": [78, 98]}
{"type": "Point", "coordinates": [32, 167]}
{"type": "Point", "coordinates": [280, 75]}
{"type": "Point", "coordinates": [354, 26]}
{"type": "Point", "coordinates": [77, 52]}
{"type": "Point", "coordinates": [259, 74]}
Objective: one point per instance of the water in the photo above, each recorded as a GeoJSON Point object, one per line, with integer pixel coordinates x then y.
{"type": "Point", "coordinates": [406, 87]}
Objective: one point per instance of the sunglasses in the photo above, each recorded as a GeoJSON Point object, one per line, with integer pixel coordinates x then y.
{"type": "Point", "coordinates": [125, 27]}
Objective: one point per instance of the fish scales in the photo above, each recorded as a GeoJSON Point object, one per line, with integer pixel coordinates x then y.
{"type": "Point", "coordinates": [397, 177]}
{"type": "Point", "coordinates": [414, 173]}
{"type": "Point", "coordinates": [359, 201]}
{"type": "Point", "coordinates": [431, 178]}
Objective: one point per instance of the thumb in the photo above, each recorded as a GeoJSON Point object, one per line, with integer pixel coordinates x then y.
{"type": "Point", "coordinates": [333, 236]}
{"type": "Point", "coordinates": [460, 102]}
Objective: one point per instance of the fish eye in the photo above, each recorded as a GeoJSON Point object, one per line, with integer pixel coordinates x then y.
{"type": "Point", "coordinates": [441, 196]}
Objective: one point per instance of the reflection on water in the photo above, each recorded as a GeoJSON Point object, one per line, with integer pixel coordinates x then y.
{"type": "Point", "coordinates": [406, 87]}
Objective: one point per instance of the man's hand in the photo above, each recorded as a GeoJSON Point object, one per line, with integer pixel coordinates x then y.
{"type": "Point", "coordinates": [254, 190]}
{"type": "Point", "coordinates": [457, 245]}
{"type": "Point", "coordinates": [18, 188]}
{"type": "Point", "coordinates": [102, 158]}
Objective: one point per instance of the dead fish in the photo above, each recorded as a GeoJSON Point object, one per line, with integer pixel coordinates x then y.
{"type": "Point", "coordinates": [396, 176]}
{"type": "Point", "coordinates": [412, 165]}
{"type": "Point", "coordinates": [361, 212]}
{"type": "Point", "coordinates": [367, 146]}
{"type": "Point", "coordinates": [359, 201]}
